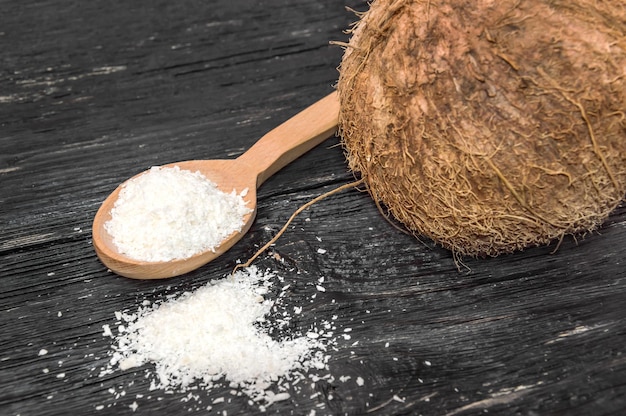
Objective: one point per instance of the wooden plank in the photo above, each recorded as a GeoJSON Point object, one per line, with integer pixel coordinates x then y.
{"type": "Point", "coordinates": [93, 92]}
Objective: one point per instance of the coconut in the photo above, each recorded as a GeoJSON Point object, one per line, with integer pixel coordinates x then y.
{"type": "Point", "coordinates": [488, 126]}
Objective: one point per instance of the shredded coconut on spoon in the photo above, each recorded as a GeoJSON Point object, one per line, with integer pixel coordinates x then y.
{"type": "Point", "coordinates": [170, 213]}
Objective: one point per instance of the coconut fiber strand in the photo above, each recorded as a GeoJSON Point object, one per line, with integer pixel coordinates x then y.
{"type": "Point", "coordinates": [488, 126]}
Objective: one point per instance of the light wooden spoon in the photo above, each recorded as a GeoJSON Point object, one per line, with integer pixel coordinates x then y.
{"type": "Point", "coordinates": [271, 153]}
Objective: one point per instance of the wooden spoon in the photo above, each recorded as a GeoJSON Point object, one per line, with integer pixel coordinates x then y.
{"type": "Point", "coordinates": [271, 153]}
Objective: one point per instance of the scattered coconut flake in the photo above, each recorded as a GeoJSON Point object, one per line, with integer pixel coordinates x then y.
{"type": "Point", "coordinates": [170, 213]}
{"type": "Point", "coordinates": [107, 331]}
{"type": "Point", "coordinates": [278, 397]}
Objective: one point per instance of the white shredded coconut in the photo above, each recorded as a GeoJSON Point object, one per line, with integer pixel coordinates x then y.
{"type": "Point", "coordinates": [106, 331]}
{"type": "Point", "coordinates": [219, 332]}
{"type": "Point", "coordinates": [172, 213]}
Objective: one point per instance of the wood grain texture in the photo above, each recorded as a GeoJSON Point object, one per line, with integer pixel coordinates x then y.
{"type": "Point", "coordinates": [92, 93]}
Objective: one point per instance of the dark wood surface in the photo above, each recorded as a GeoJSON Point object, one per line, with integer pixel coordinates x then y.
{"type": "Point", "coordinates": [93, 92]}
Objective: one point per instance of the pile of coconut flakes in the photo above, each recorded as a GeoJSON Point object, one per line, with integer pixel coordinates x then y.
{"type": "Point", "coordinates": [221, 335]}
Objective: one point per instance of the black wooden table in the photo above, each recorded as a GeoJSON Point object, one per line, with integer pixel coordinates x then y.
{"type": "Point", "coordinates": [93, 92]}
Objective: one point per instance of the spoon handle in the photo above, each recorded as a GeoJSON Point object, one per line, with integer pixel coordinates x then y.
{"type": "Point", "coordinates": [293, 138]}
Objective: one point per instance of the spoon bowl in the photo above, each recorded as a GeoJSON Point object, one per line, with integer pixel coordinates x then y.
{"type": "Point", "coordinates": [267, 156]}
{"type": "Point", "coordinates": [228, 175]}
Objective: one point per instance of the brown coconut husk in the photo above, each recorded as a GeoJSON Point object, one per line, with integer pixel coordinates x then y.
{"type": "Point", "coordinates": [488, 125]}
